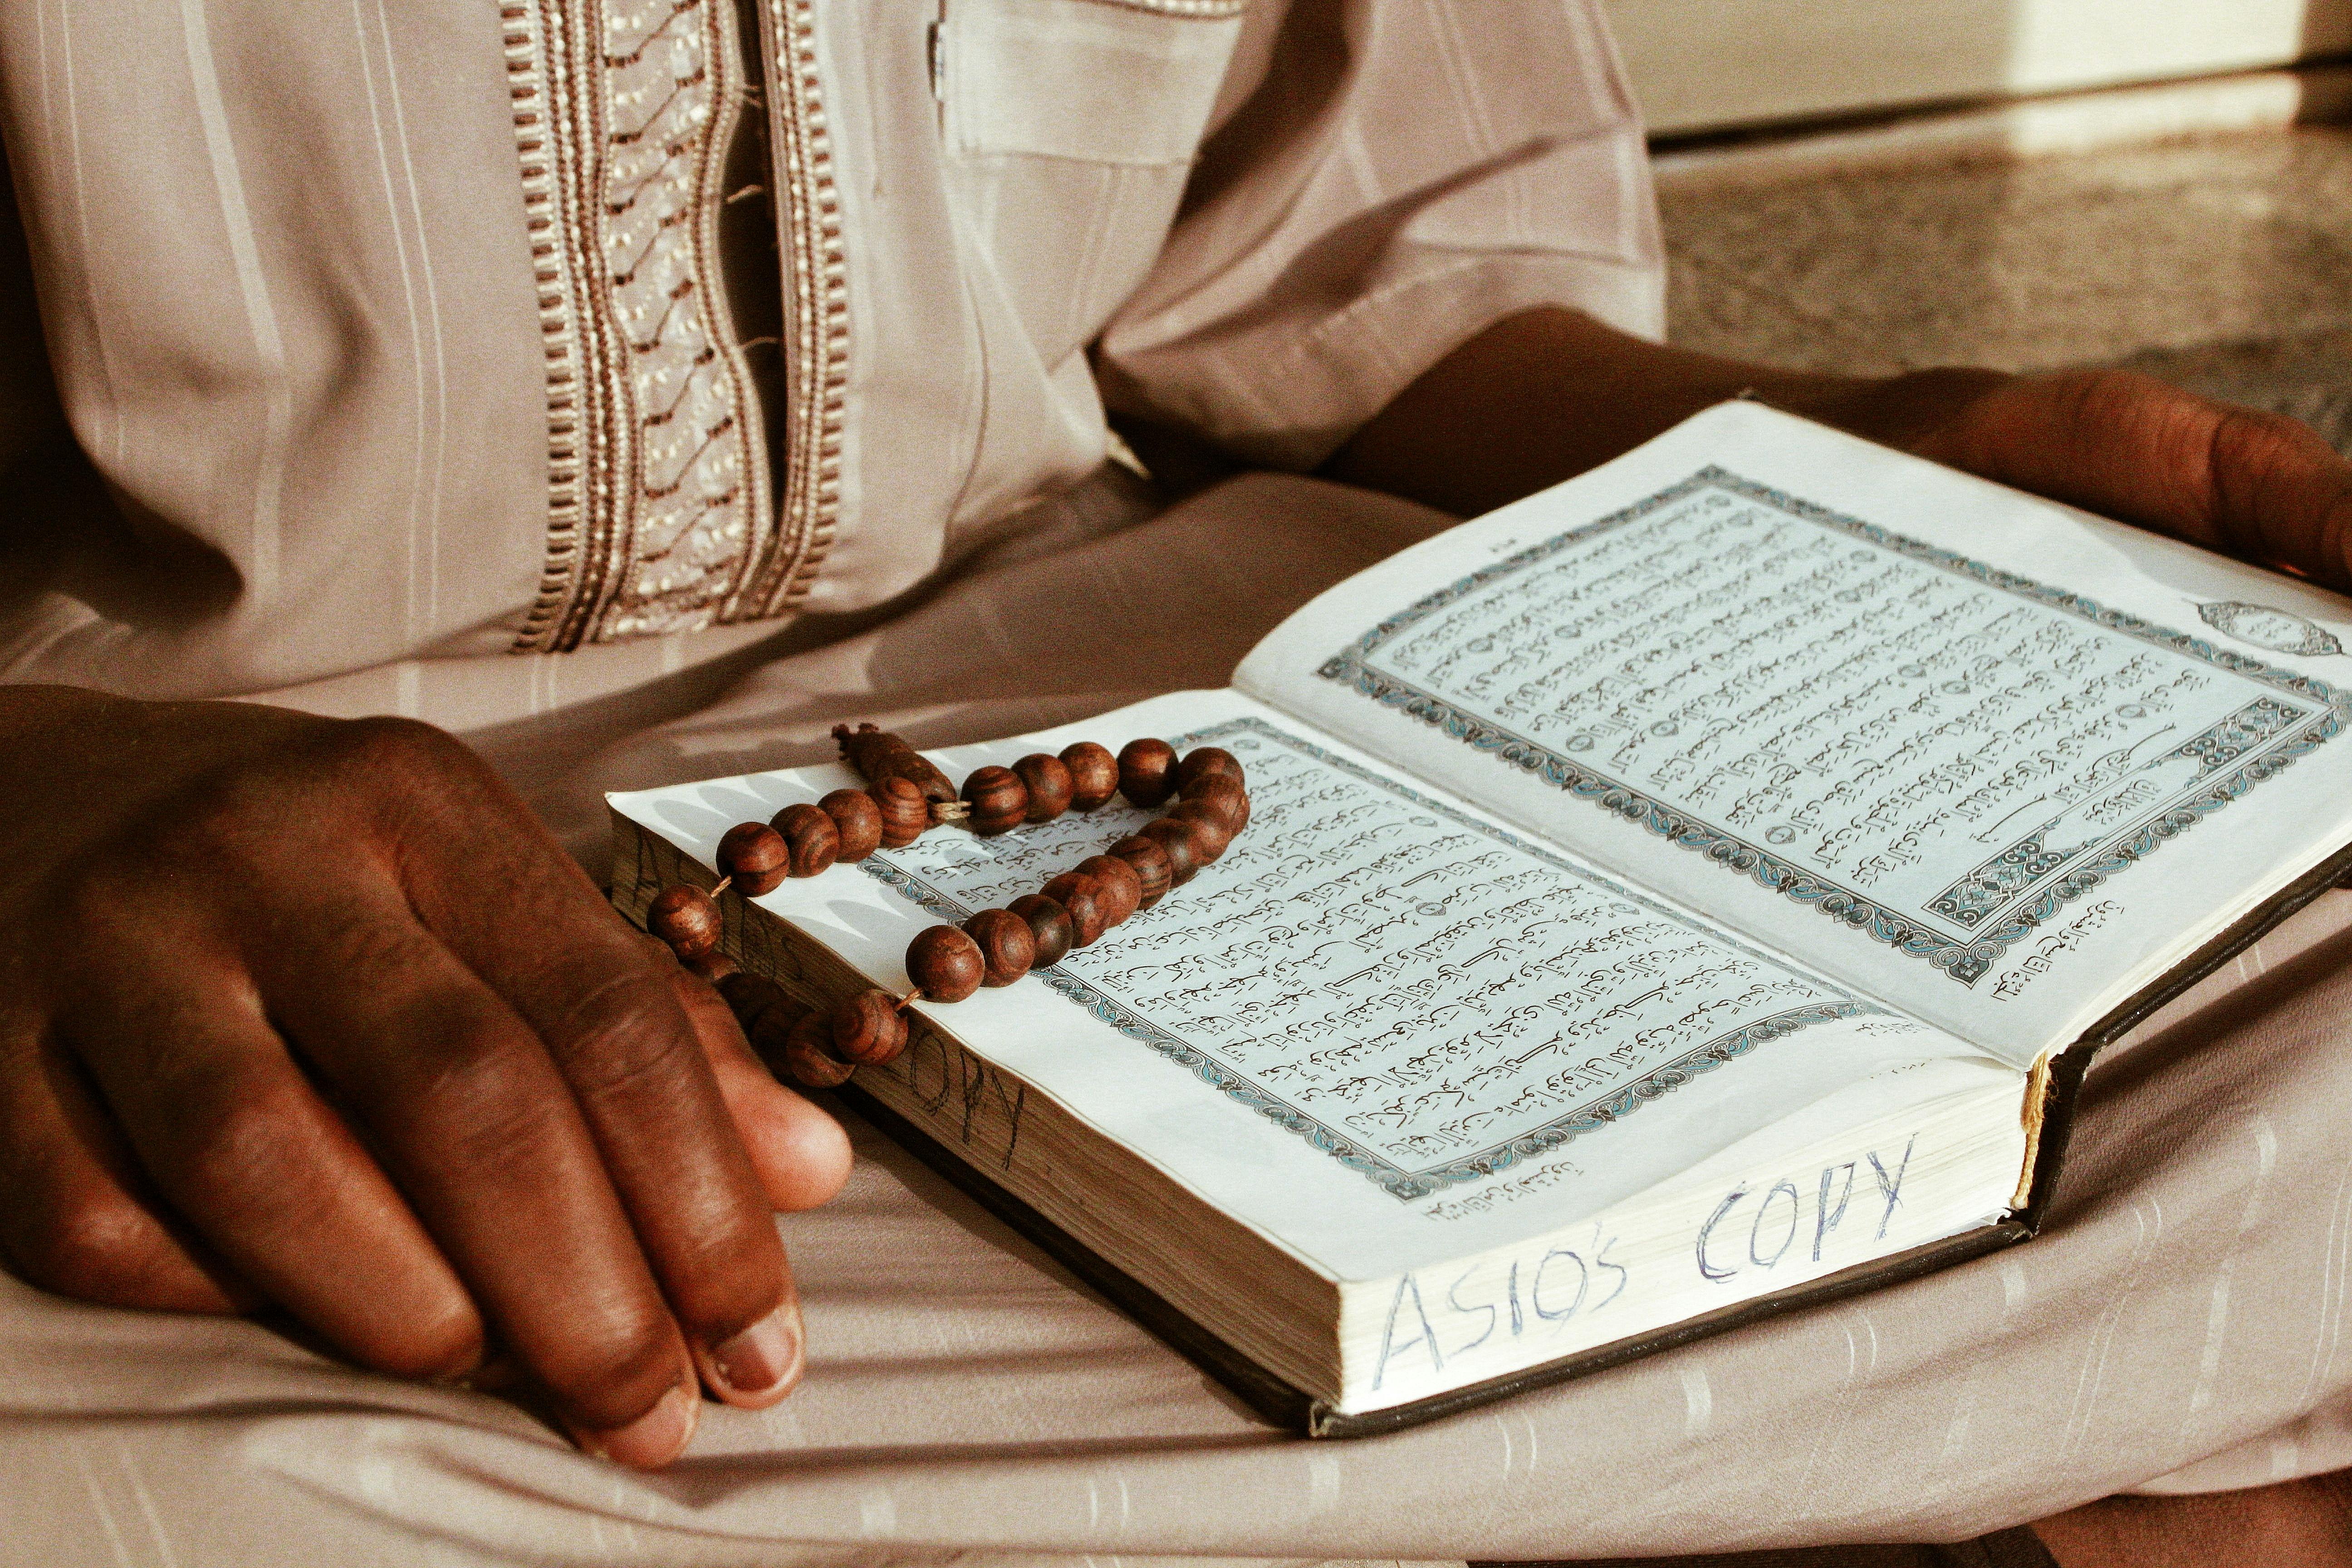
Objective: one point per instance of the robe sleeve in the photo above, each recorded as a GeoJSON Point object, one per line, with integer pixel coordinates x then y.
{"type": "Point", "coordinates": [1390, 178]}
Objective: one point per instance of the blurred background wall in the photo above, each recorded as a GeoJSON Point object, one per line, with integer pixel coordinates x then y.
{"type": "Point", "coordinates": [1711, 65]}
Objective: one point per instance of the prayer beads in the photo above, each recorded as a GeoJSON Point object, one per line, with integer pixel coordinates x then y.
{"type": "Point", "coordinates": [1048, 781]}
{"type": "Point", "coordinates": [808, 1053]}
{"type": "Point", "coordinates": [1093, 775]}
{"type": "Point", "coordinates": [1177, 842]}
{"type": "Point", "coordinates": [867, 1028]}
{"type": "Point", "coordinates": [1149, 862]}
{"type": "Point", "coordinates": [857, 822]}
{"type": "Point", "coordinates": [905, 813]}
{"type": "Point", "coordinates": [687, 919]}
{"type": "Point", "coordinates": [1049, 924]}
{"type": "Point", "coordinates": [1208, 824]}
{"type": "Point", "coordinates": [1078, 895]}
{"type": "Point", "coordinates": [1007, 946]}
{"type": "Point", "coordinates": [904, 798]}
{"type": "Point", "coordinates": [999, 801]}
{"type": "Point", "coordinates": [945, 964]}
{"type": "Point", "coordinates": [814, 841]}
{"type": "Point", "coordinates": [755, 857]}
{"type": "Point", "coordinates": [1147, 772]}
{"type": "Point", "coordinates": [1119, 886]}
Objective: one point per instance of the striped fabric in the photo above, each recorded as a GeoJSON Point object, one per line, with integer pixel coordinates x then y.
{"type": "Point", "coordinates": [412, 325]}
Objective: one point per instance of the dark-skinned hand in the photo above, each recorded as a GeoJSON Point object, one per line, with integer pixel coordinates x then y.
{"type": "Point", "coordinates": [315, 1014]}
{"type": "Point", "coordinates": [1549, 393]}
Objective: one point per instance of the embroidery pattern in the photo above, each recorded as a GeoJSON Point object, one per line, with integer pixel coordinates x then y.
{"type": "Point", "coordinates": [1611, 1106]}
{"type": "Point", "coordinates": [816, 312]}
{"type": "Point", "coordinates": [1206, 10]}
{"type": "Point", "coordinates": [2321, 712]}
{"type": "Point", "coordinates": [659, 500]}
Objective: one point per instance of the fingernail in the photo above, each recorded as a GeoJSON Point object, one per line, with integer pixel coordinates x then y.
{"type": "Point", "coordinates": [764, 1358]}
{"type": "Point", "coordinates": [653, 1439]}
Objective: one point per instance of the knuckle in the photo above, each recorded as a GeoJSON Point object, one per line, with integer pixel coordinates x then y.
{"type": "Point", "coordinates": [91, 1244]}
{"type": "Point", "coordinates": [369, 948]}
{"type": "Point", "coordinates": [2097, 403]}
{"type": "Point", "coordinates": [477, 1086]}
{"type": "Point", "coordinates": [246, 1141]}
{"type": "Point", "coordinates": [385, 746]}
{"type": "Point", "coordinates": [629, 1031]}
{"type": "Point", "coordinates": [2254, 437]}
{"type": "Point", "coordinates": [617, 1370]}
{"type": "Point", "coordinates": [446, 1344]}
{"type": "Point", "coordinates": [89, 902]}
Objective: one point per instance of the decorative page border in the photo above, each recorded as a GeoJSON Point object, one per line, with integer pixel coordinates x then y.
{"type": "Point", "coordinates": [1398, 1182]}
{"type": "Point", "coordinates": [1966, 961]}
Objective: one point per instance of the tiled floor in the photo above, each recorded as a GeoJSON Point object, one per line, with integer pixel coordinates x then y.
{"type": "Point", "coordinates": [2224, 264]}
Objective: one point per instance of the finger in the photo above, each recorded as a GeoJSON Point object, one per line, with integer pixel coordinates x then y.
{"type": "Point", "coordinates": [2252, 484]}
{"type": "Point", "coordinates": [801, 1154]}
{"type": "Point", "coordinates": [236, 1140]}
{"type": "Point", "coordinates": [484, 1137]}
{"type": "Point", "coordinates": [77, 1217]}
{"type": "Point", "coordinates": [610, 1018]}
{"type": "Point", "coordinates": [634, 1062]}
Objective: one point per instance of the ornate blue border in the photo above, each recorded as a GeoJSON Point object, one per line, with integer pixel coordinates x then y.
{"type": "Point", "coordinates": [1966, 961]}
{"type": "Point", "coordinates": [1398, 1182]}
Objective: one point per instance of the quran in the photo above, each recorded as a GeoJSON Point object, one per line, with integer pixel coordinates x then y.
{"type": "Point", "coordinates": [1686, 894]}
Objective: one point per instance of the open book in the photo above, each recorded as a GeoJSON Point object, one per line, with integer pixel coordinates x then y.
{"type": "Point", "coordinates": [1667, 901]}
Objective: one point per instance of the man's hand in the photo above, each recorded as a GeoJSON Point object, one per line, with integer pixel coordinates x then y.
{"type": "Point", "coordinates": [316, 1014]}
{"type": "Point", "coordinates": [1540, 396]}
{"type": "Point", "coordinates": [2260, 487]}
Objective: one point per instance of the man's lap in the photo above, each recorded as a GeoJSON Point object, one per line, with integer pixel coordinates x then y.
{"type": "Point", "coordinates": [2183, 1314]}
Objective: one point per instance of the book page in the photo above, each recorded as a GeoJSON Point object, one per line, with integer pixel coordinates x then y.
{"type": "Point", "coordinates": [1944, 741]}
{"type": "Point", "coordinates": [1384, 1028]}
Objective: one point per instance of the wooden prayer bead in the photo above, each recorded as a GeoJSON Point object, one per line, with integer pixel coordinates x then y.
{"type": "Point", "coordinates": [771, 1028]}
{"type": "Point", "coordinates": [945, 964]}
{"type": "Point", "coordinates": [867, 1028]}
{"type": "Point", "coordinates": [814, 842]}
{"type": "Point", "coordinates": [748, 995]}
{"type": "Point", "coordinates": [999, 800]}
{"type": "Point", "coordinates": [1178, 840]}
{"type": "Point", "coordinates": [1150, 864]}
{"type": "Point", "coordinates": [1082, 896]}
{"type": "Point", "coordinates": [857, 822]}
{"type": "Point", "coordinates": [1007, 946]}
{"type": "Point", "coordinates": [1118, 888]}
{"type": "Point", "coordinates": [1049, 923]}
{"type": "Point", "coordinates": [1220, 789]}
{"type": "Point", "coordinates": [756, 855]}
{"type": "Point", "coordinates": [686, 918]}
{"type": "Point", "coordinates": [878, 755]}
{"type": "Point", "coordinates": [1049, 784]}
{"type": "Point", "coordinates": [713, 966]}
{"type": "Point", "coordinates": [1208, 761]}
{"type": "Point", "coordinates": [1093, 775]}
{"type": "Point", "coordinates": [905, 813]}
{"type": "Point", "coordinates": [1147, 772]}
{"type": "Point", "coordinates": [808, 1055]}
{"type": "Point", "coordinates": [1068, 881]}
{"type": "Point", "coordinates": [1210, 819]}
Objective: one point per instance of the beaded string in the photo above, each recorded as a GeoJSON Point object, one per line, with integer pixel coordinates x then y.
{"type": "Point", "coordinates": [904, 796]}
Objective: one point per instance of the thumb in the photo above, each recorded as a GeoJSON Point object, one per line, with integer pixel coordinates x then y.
{"type": "Point", "coordinates": [801, 1154]}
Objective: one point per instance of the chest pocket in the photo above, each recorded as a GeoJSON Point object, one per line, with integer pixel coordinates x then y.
{"type": "Point", "coordinates": [1069, 128]}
